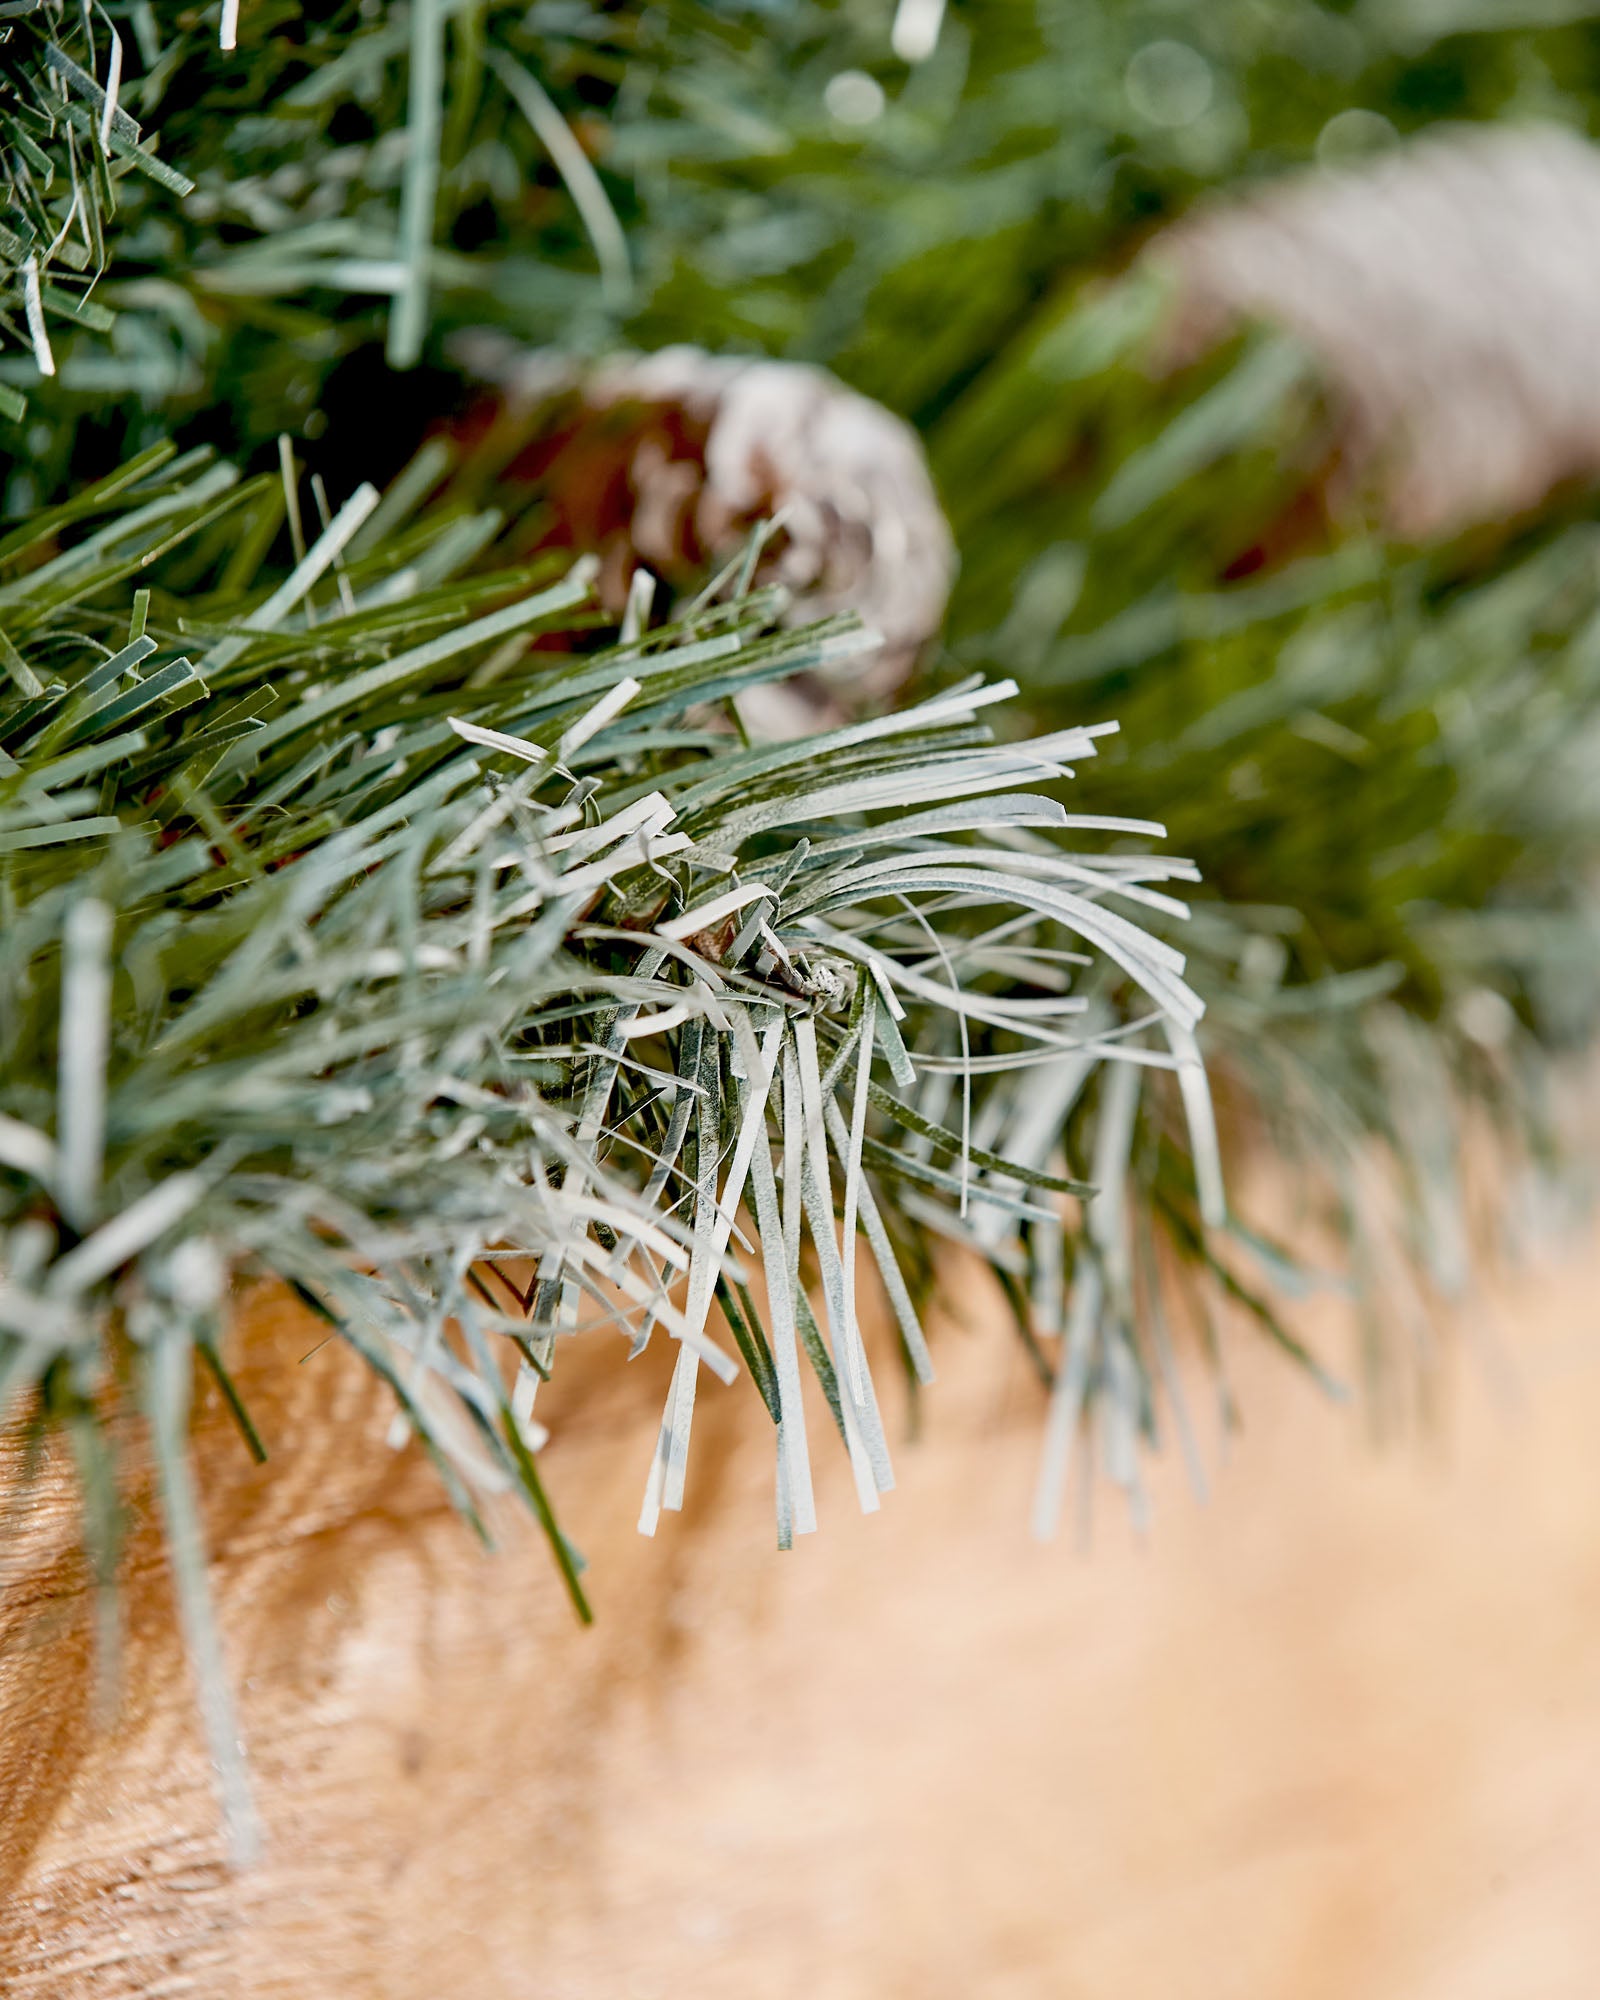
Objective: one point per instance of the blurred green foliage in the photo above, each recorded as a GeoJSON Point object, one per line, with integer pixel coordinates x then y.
{"type": "Point", "coordinates": [1040, 138]}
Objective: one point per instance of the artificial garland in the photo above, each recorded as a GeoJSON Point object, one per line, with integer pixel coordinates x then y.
{"type": "Point", "coordinates": [378, 916]}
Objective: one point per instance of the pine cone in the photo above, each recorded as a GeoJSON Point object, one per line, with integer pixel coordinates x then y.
{"type": "Point", "coordinates": [1451, 289]}
{"type": "Point", "coordinates": [671, 459]}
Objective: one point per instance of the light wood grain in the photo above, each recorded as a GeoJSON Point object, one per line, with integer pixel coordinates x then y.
{"type": "Point", "coordinates": [1335, 1734]}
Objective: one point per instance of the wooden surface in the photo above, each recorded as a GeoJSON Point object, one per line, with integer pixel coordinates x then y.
{"type": "Point", "coordinates": [1335, 1734]}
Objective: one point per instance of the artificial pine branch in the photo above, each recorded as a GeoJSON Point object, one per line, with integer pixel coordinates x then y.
{"type": "Point", "coordinates": [311, 964]}
{"type": "Point", "coordinates": [331, 955]}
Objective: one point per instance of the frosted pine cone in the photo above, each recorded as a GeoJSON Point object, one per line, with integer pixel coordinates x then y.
{"type": "Point", "coordinates": [1451, 289]}
{"type": "Point", "coordinates": [670, 460]}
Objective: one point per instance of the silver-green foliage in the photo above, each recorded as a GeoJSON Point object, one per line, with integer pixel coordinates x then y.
{"type": "Point", "coordinates": [394, 931]}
